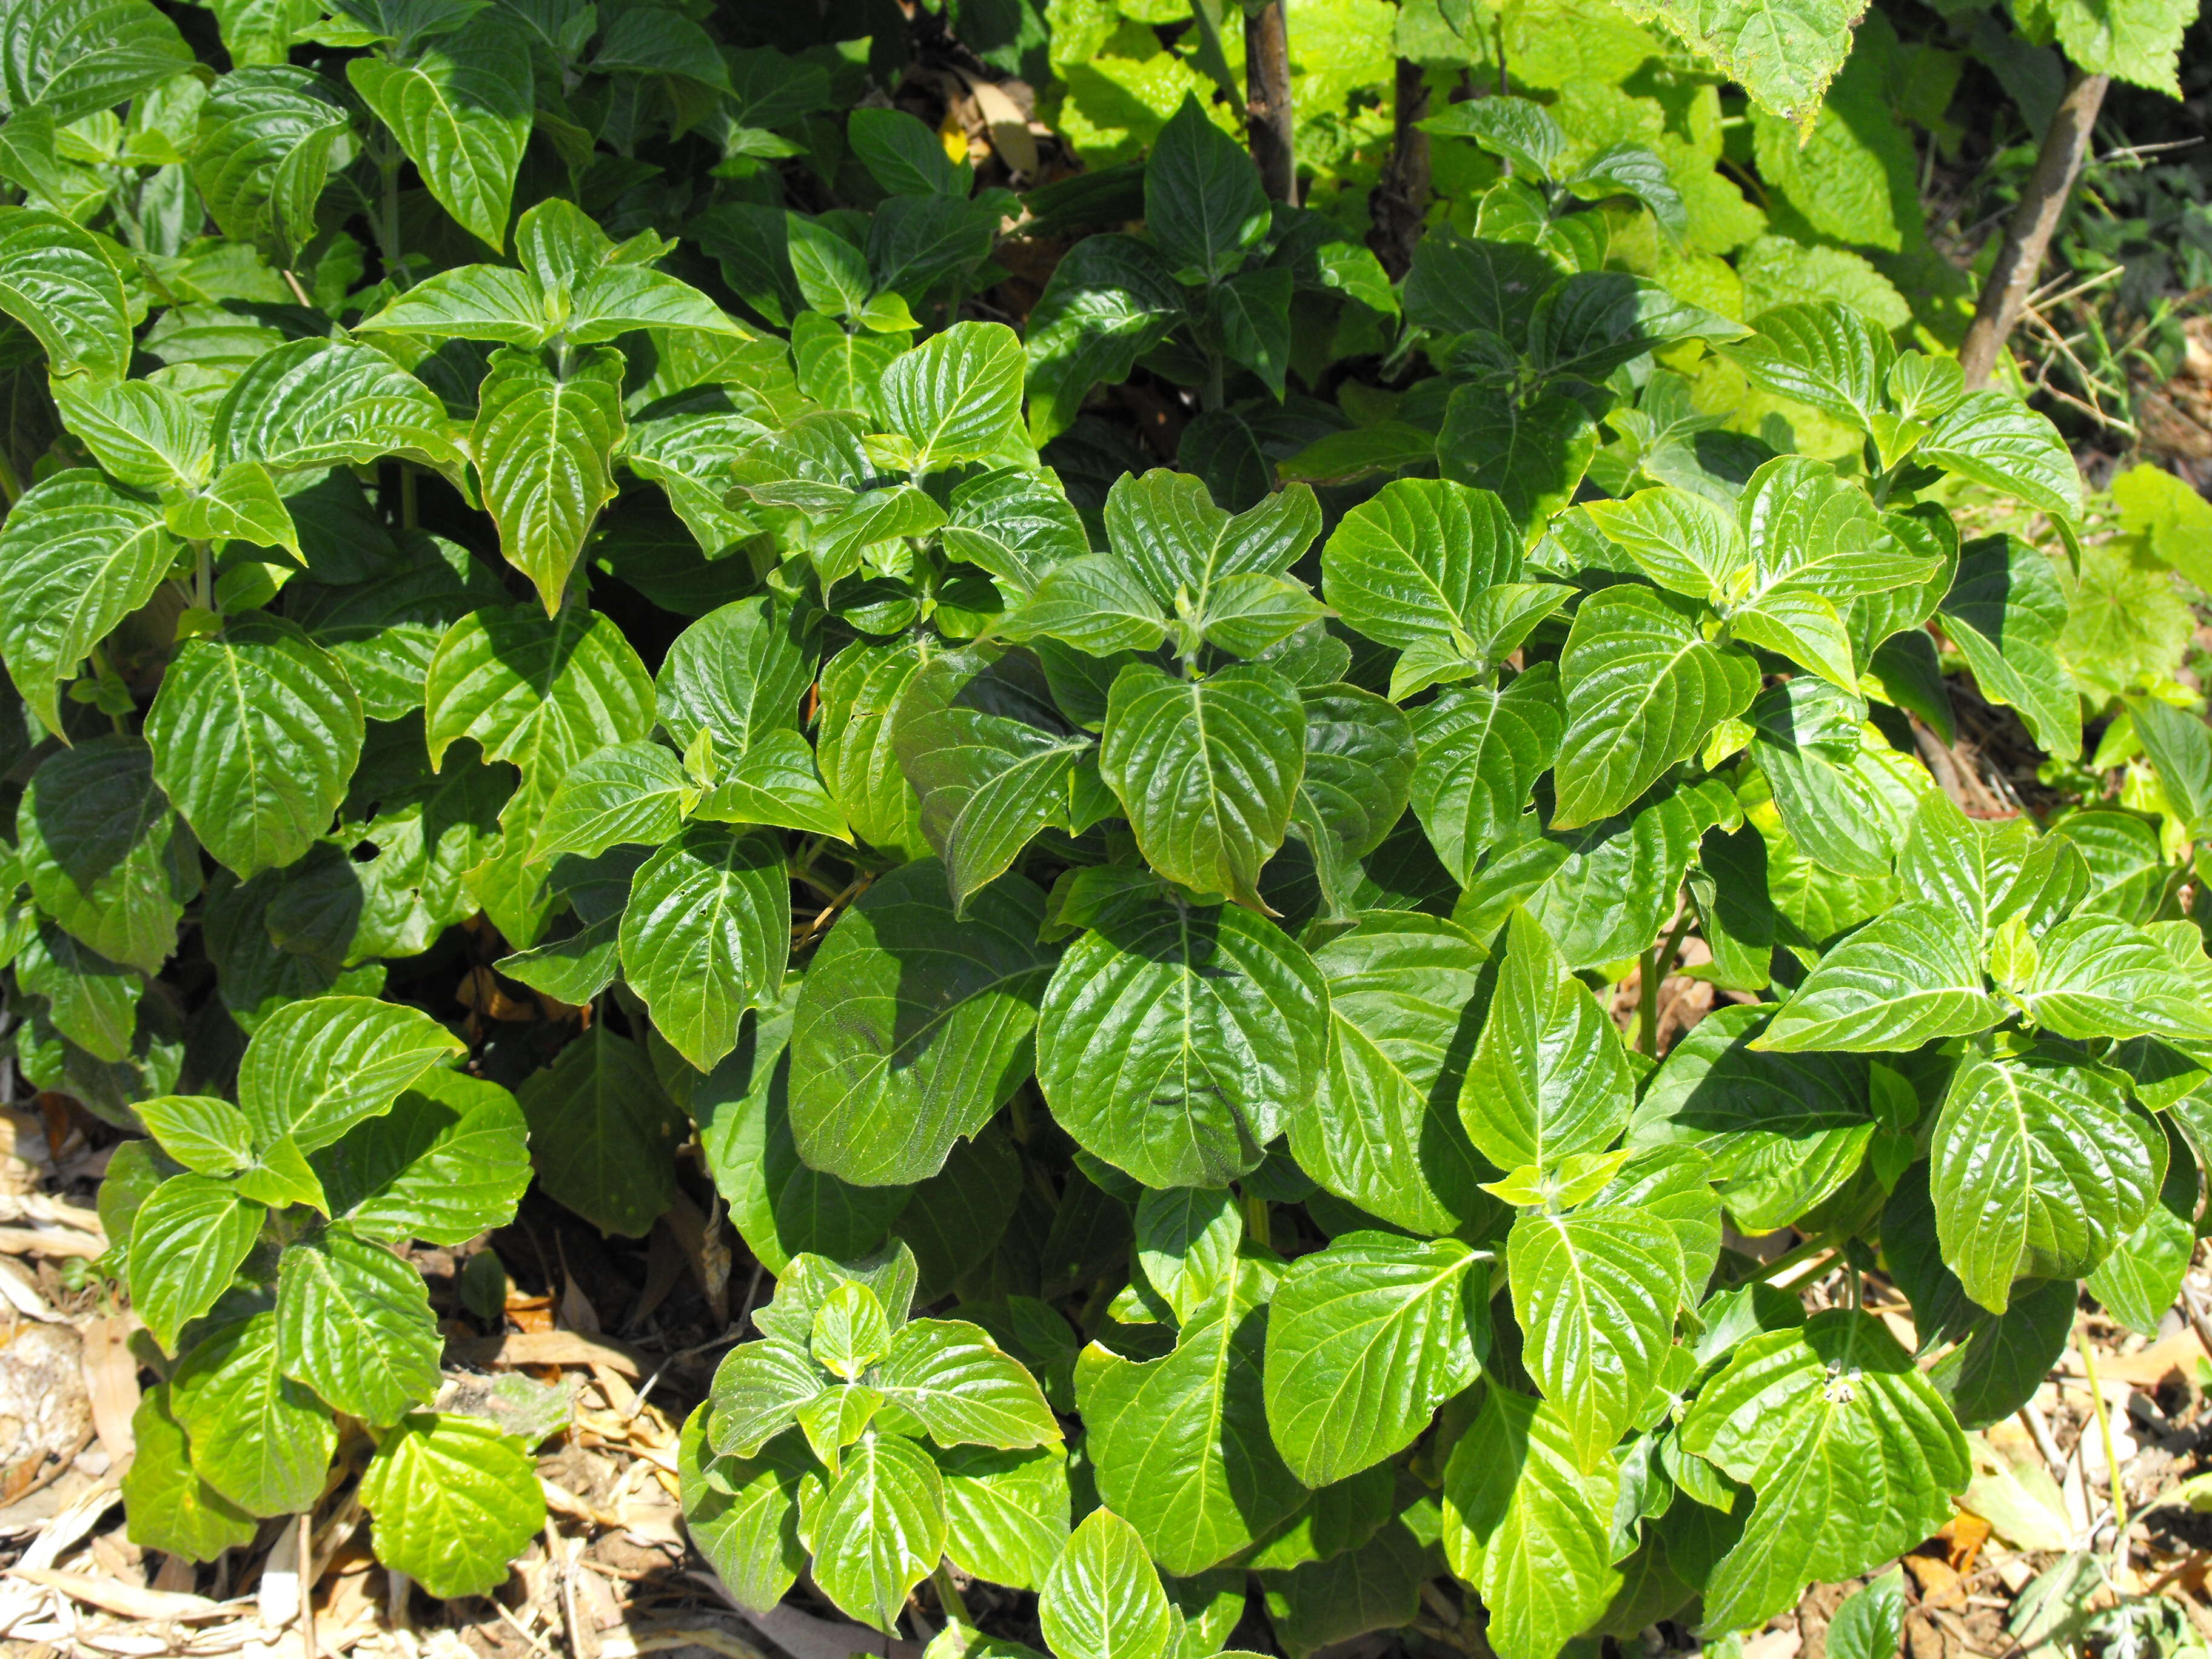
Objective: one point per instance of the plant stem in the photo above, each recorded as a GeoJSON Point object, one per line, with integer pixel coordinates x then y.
{"type": "Point", "coordinates": [389, 239]}
{"type": "Point", "coordinates": [1214, 393]}
{"type": "Point", "coordinates": [408, 516]}
{"type": "Point", "coordinates": [2105, 1434]}
{"type": "Point", "coordinates": [1399, 203]}
{"type": "Point", "coordinates": [948, 1594]}
{"type": "Point", "coordinates": [1256, 1223]}
{"type": "Point", "coordinates": [2028, 234]}
{"type": "Point", "coordinates": [204, 578]}
{"type": "Point", "coordinates": [10, 487]}
{"type": "Point", "coordinates": [1269, 128]}
{"type": "Point", "coordinates": [1652, 967]}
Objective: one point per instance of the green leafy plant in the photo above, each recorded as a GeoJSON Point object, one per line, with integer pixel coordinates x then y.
{"type": "Point", "coordinates": [589, 512]}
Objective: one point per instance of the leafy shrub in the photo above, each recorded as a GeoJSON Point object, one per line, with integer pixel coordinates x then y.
{"type": "Point", "coordinates": [1128, 943]}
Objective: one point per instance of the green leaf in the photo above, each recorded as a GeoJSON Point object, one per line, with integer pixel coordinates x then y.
{"type": "Point", "coordinates": [1381, 1130]}
{"type": "Point", "coordinates": [168, 1506]}
{"type": "Point", "coordinates": [1870, 1624]}
{"type": "Point", "coordinates": [1549, 1078]}
{"type": "Point", "coordinates": [76, 57]}
{"type": "Point", "coordinates": [1017, 523]}
{"type": "Point", "coordinates": [1251, 313]}
{"type": "Point", "coordinates": [1459, 285]}
{"type": "Point", "coordinates": [323, 403]}
{"type": "Point", "coordinates": [914, 1026]}
{"type": "Point", "coordinates": [707, 934]}
{"type": "Point", "coordinates": [260, 1439]}
{"type": "Point", "coordinates": [1811, 529]}
{"type": "Point", "coordinates": [1376, 1586]}
{"type": "Point", "coordinates": [1594, 1294]}
{"type": "Point", "coordinates": [1187, 1240]}
{"type": "Point", "coordinates": [1103, 1598]}
{"type": "Point", "coordinates": [1357, 777]}
{"type": "Point", "coordinates": [988, 753]}
{"type": "Point", "coordinates": [1825, 354]}
{"type": "Point", "coordinates": [93, 1003]}
{"type": "Point", "coordinates": [1522, 131]}
{"type": "Point", "coordinates": [449, 1161]}
{"type": "Point", "coordinates": [453, 1501]}
{"type": "Point", "coordinates": [1365, 1339]}
{"type": "Point", "coordinates": [958, 396]}
{"type": "Point", "coordinates": [1685, 542]}
{"type": "Point", "coordinates": [2039, 1169]}
{"type": "Point", "coordinates": [354, 1323]}
{"type": "Point", "coordinates": [206, 1135]}
{"type": "Point", "coordinates": [604, 1133]}
{"type": "Point", "coordinates": [1479, 753]}
{"type": "Point", "coordinates": [1913, 973]}
{"type": "Point", "coordinates": [625, 792]}
{"type": "Point", "coordinates": [1528, 1528]}
{"type": "Point", "coordinates": [1207, 769]}
{"type": "Point", "coordinates": [851, 1332]}
{"type": "Point", "coordinates": [1532, 452]}
{"type": "Point", "coordinates": [255, 732]}
{"type": "Point", "coordinates": [1643, 687]}
{"type": "Point", "coordinates": [879, 1529]}
{"type": "Point", "coordinates": [861, 686]}
{"type": "Point", "coordinates": [1783, 52]}
{"type": "Point", "coordinates": [963, 1389]}
{"type": "Point", "coordinates": [1175, 1038]}
{"type": "Point", "coordinates": [1095, 603]}
{"type": "Point", "coordinates": [461, 111]}
{"type": "Point", "coordinates": [1006, 1513]}
{"type": "Point", "coordinates": [1851, 1452]}
{"type": "Point", "coordinates": [620, 298]}
{"type": "Point", "coordinates": [192, 1234]}
{"type": "Point", "coordinates": [744, 1513]}
{"type": "Point", "coordinates": [81, 556]}
{"type": "Point", "coordinates": [903, 155]}
{"type": "Point", "coordinates": [140, 434]}
{"type": "Point", "coordinates": [57, 281]}
{"type": "Point", "coordinates": [1203, 203]}
{"type": "Point", "coordinates": [2095, 976]}
{"type": "Point", "coordinates": [1783, 1131]}
{"type": "Point", "coordinates": [315, 1068]}
{"type": "Point", "coordinates": [1994, 440]}
{"type": "Point", "coordinates": [757, 1391]}
{"type": "Point", "coordinates": [102, 853]}
{"type": "Point", "coordinates": [1111, 299]}
{"type": "Point", "coordinates": [268, 136]}
{"type": "Point", "coordinates": [544, 449]}
{"type": "Point", "coordinates": [468, 302]}
{"type": "Point", "coordinates": [240, 504]}
{"type": "Point", "coordinates": [541, 692]}
{"type": "Point", "coordinates": [2141, 1279]}
{"type": "Point", "coordinates": [1181, 1443]}
{"type": "Point", "coordinates": [1593, 322]}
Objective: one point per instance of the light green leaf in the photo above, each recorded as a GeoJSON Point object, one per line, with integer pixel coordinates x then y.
{"type": "Point", "coordinates": [1549, 1079]}
{"type": "Point", "coordinates": [1185, 1245]}
{"type": "Point", "coordinates": [1112, 299]}
{"type": "Point", "coordinates": [1175, 1038]}
{"type": "Point", "coordinates": [1095, 603]}
{"type": "Point", "coordinates": [1594, 1294]}
{"type": "Point", "coordinates": [190, 1237]}
{"type": "Point", "coordinates": [1531, 452]}
{"type": "Point", "coordinates": [1685, 542]}
{"type": "Point", "coordinates": [142, 434]}
{"type": "Point", "coordinates": [1181, 1443]}
{"type": "Point", "coordinates": [1851, 1452]}
{"type": "Point", "coordinates": [706, 935]}
{"type": "Point", "coordinates": [2098, 977]}
{"type": "Point", "coordinates": [454, 1499]}
{"type": "Point", "coordinates": [990, 755]}
{"type": "Point", "coordinates": [958, 396]}
{"type": "Point", "coordinates": [461, 111]}
{"type": "Point", "coordinates": [1207, 770]}
{"type": "Point", "coordinates": [324, 403]}
{"type": "Point", "coordinates": [604, 1133]}
{"type": "Point", "coordinates": [354, 1323]}
{"type": "Point", "coordinates": [166, 1504]}
{"type": "Point", "coordinates": [468, 302]}
{"type": "Point", "coordinates": [450, 1160]}
{"type": "Point", "coordinates": [1913, 973]}
{"type": "Point", "coordinates": [914, 1026]}
{"type": "Point", "coordinates": [1365, 1339]}
{"type": "Point", "coordinates": [81, 556]}
{"type": "Point", "coordinates": [1870, 1624]}
{"type": "Point", "coordinates": [1413, 563]}
{"type": "Point", "coordinates": [744, 1513]}
{"type": "Point", "coordinates": [1006, 1513]}
{"type": "Point", "coordinates": [1997, 441]}
{"type": "Point", "coordinates": [59, 284]}
{"type": "Point", "coordinates": [963, 1388]}
{"type": "Point", "coordinates": [316, 1067]}
{"type": "Point", "coordinates": [624, 792]}
{"type": "Point", "coordinates": [1825, 354]}
{"type": "Point", "coordinates": [1354, 789]}
{"type": "Point", "coordinates": [206, 1135]}
{"type": "Point", "coordinates": [268, 136]}
{"type": "Point", "coordinates": [619, 298]}
{"type": "Point", "coordinates": [260, 1439]}
{"type": "Point", "coordinates": [1520, 131]}
{"type": "Point", "coordinates": [540, 692]}
{"type": "Point", "coordinates": [240, 503]}
{"type": "Point", "coordinates": [544, 449]}
{"type": "Point", "coordinates": [1479, 753]}
{"type": "Point", "coordinates": [1380, 1130]}
{"type": "Point", "coordinates": [2039, 1169]}
{"type": "Point", "coordinates": [76, 57]}
{"type": "Point", "coordinates": [879, 1529]}
{"type": "Point", "coordinates": [1783, 52]}
{"type": "Point", "coordinates": [1643, 687]}
{"type": "Point", "coordinates": [1527, 1529]}
{"type": "Point", "coordinates": [1103, 1598]}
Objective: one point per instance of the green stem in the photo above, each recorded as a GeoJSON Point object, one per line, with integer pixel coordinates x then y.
{"type": "Point", "coordinates": [948, 1594]}
{"type": "Point", "coordinates": [1653, 966]}
{"type": "Point", "coordinates": [203, 576]}
{"type": "Point", "coordinates": [1215, 392]}
{"type": "Point", "coordinates": [10, 486]}
{"type": "Point", "coordinates": [389, 238]}
{"type": "Point", "coordinates": [2105, 1431]}
{"type": "Point", "coordinates": [1256, 1223]}
{"type": "Point", "coordinates": [408, 516]}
